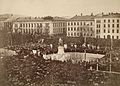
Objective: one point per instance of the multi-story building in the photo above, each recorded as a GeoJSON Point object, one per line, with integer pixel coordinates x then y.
{"type": "Point", "coordinates": [107, 26]}
{"type": "Point", "coordinates": [81, 26]}
{"type": "Point", "coordinates": [59, 26]}
{"type": "Point", "coordinates": [29, 25]}
{"type": "Point", "coordinates": [38, 25]}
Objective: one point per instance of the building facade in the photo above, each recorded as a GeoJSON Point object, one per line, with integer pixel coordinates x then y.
{"type": "Point", "coordinates": [107, 26]}
{"type": "Point", "coordinates": [28, 25]}
{"type": "Point", "coordinates": [59, 26]}
{"type": "Point", "coordinates": [81, 26]}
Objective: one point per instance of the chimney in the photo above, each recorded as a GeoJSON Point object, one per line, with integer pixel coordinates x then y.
{"type": "Point", "coordinates": [91, 14]}
{"type": "Point", "coordinates": [81, 14]}
{"type": "Point", "coordinates": [102, 13]}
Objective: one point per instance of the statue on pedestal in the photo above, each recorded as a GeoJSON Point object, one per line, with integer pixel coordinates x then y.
{"type": "Point", "coordinates": [60, 42]}
{"type": "Point", "coordinates": [60, 47]}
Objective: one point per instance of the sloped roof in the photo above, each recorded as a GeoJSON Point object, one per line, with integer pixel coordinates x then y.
{"type": "Point", "coordinates": [110, 15]}
{"type": "Point", "coordinates": [83, 18]}
{"type": "Point", "coordinates": [29, 19]}
{"type": "Point", "coordinates": [59, 18]}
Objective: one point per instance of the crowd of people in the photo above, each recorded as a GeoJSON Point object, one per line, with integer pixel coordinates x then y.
{"type": "Point", "coordinates": [29, 68]}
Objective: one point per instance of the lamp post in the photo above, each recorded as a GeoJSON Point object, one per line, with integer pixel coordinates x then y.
{"type": "Point", "coordinates": [111, 55]}
{"type": "Point", "coordinates": [75, 49]}
{"type": "Point", "coordinates": [85, 35]}
{"type": "Point", "coordinates": [97, 67]}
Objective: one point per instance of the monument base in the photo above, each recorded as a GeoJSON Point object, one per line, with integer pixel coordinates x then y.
{"type": "Point", "coordinates": [60, 50]}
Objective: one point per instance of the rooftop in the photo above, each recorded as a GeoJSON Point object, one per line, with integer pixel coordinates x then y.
{"type": "Point", "coordinates": [29, 19]}
{"type": "Point", "coordinates": [109, 15]}
{"type": "Point", "coordinates": [83, 18]}
{"type": "Point", "coordinates": [59, 18]}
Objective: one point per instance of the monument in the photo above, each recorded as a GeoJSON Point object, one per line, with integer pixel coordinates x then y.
{"type": "Point", "coordinates": [60, 47]}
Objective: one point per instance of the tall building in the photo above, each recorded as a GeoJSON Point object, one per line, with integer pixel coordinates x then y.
{"type": "Point", "coordinates": [59, 26]}
{"type": "Point", "coordinates": [81, 26]}
{"type": "Point", "coordinates": [31, 25]}
{"type": "Point", "coordinates": [107, 26]}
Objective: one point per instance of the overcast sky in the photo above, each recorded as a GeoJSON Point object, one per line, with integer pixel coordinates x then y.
{"type": "Point", "coordinates": [58, 7]}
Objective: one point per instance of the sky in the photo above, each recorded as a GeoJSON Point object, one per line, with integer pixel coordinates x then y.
{"type": "Point", "coordinates": [58, 7]}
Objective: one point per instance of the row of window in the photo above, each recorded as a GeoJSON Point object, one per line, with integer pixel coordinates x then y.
{"type": "Point", "coordinates": [113, 31]}
{"type": "Point", "coordinates": [113, 37]}
{"type": "Point", "coordinates": [31, 31]}
{"type": "Point", "coordinates": [109, 25]}
{"type": "Point", "coordinates": [108, 20]}
{"type": "Point", "coordinates": [29, 25]}
{"type": "Point", "coordinates": [80, 34]}
{"type": "Point", "coordinates": [58, 24]}
{"type": "Point", "coordinates": [79, 29]}
{"type": "Point", "coordinates": [79, 23]}
{"type": "Point", "coordinates": [57, 30]}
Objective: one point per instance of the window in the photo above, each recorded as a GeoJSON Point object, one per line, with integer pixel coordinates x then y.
{"type": "Point", "coordinates": [113, 25]}
{"type": "Point", "coordinates": [68, 34]}
{"type": "Point", "coordinates": [104, 25]}
{"type": "Point", "coordinates": [91, 23]}
{"type": "Point", "coordinates": [71, 34]}
{"type": "Point", "coordinates": [26, 25]}
{"type": "Point", "coordinates": [23, 25]}
{"type": "Point", "coordinates": [104, 30]}
{"type": "Point", "coordinates": [20, 25]}
{"type": "Point", "coordinates": [104, 36]}
{"type": "Point", "coordinates": [108, 21]}
{"type": "Point", "coordinates": [74, 34]}
{"type": "Point", "coordinates": [108, 25]}
{"type": "Point", "coordinates": [117, 25]}
{"type": "Point", "coordinates": [68, 29]}
{"type": "Point", "coordinates": [113, 31]}
{"type": "Point", "coordinates": [74, 23]}
{"type": "Point", "coordinates": [112, 37]}
{"type": "Point", "coordinates": [77, 28]}
{"type": "Point", "coordinates": [99, 25]}
{"type": "Point", "coordinates": [117, 21]}
{"type": "Point", "coordinates": [108, 31]}
{"type": "Point", "coordinates": [77, 34]}
{"type": "Point", "coordinates": [74, 28]}
{"type": "Point", "coordinates": [104, 21]}
{"type": "Point", "coordinates": [77, 23]}
{"type": "Point", "coordinates": [31, 25]}
{"type": "Point", "coordinates": [117, 31]}
{"type": "Point", "coordinates": [113, 20]}
{"type": "Point", "coordinates": [84, 23]}
{"type": "Point", "coordinates": [99, 30]}
{"type": "Point", "coordinates": [81, 28]}
{"type": "Point", "coordinates": [91, 29]}
{"type": "Point", "coordinates": [24, 30]}
{"type": "Point", "coordinates": [71, 28]}
{"type": "Point", "coordinates": [68, 23]}
{"type": "Point", "coordinates": [81, 23]}
{"type": "Point", "coordinates": [71, 23]}
{"type": "Point", "coordinates": [117, 37]}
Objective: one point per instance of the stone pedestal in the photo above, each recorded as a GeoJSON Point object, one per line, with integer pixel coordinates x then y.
{"type": "Point", "coordinates": [60, 50]}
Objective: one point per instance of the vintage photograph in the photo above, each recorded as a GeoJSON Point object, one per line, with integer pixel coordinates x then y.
{"type": "Point", "coordinates": [59, 42]}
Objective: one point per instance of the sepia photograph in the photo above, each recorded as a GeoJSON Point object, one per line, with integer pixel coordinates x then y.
{"type": "Point", "coordinates": [59, 42]}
